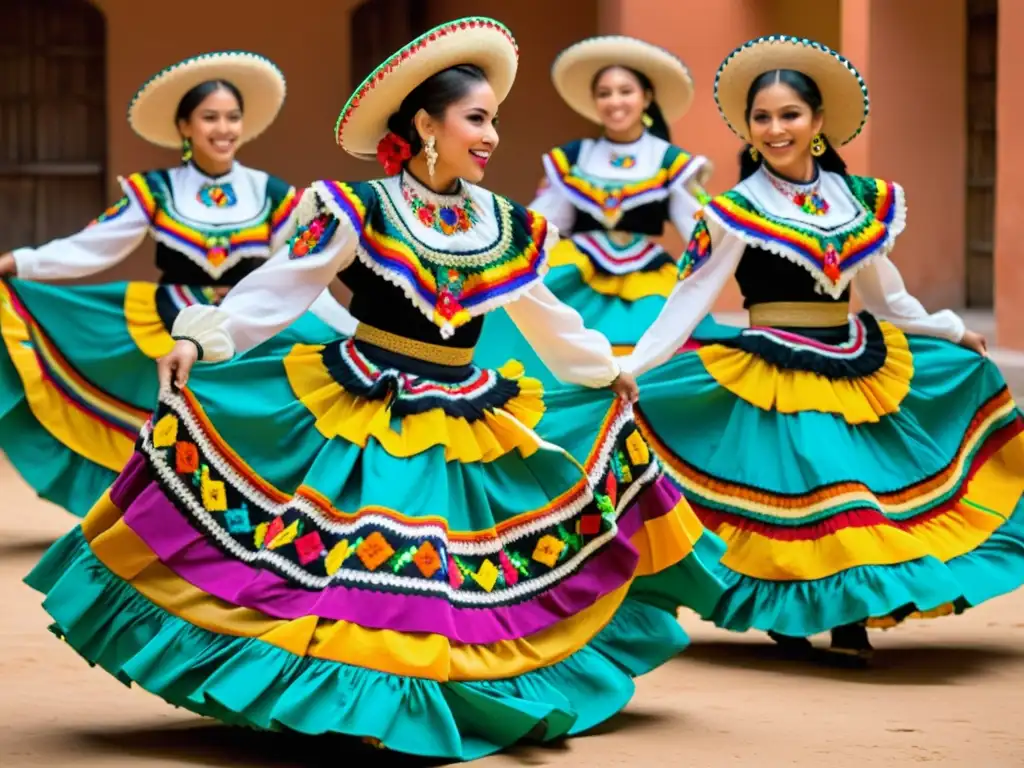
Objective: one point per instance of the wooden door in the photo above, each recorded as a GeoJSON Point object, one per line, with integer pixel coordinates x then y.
{"type": "Point", "coordinates": [53, 133]}
{"type": "Point", "coordinates": [982, 27]}
{"type": "Point", "coordinates": [381, 27]}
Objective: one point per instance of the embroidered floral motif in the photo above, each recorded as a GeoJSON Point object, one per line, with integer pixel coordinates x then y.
{"type": "Point", "coordinates": [698, 250]}
{"type": "Point", "coordinates": [112, 212]}
{"type": "Point", "coordinates": [449, 218]}
{"type": "Point", "coordinates": [217, 195]}
{"type": "Point", "coordinates": [449, 289]}
{"type": "Point", "coordinates": [309, 549]}
{"type": "Point", "coordinates": [314, 236]}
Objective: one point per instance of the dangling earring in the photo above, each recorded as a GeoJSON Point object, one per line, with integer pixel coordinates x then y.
{"type": "Point", "coordinates": [431, 154]}
{"type": "Point", "coordinates": [817, 145]}
{"type": "Point", "coordinates": [186, 151]}
{"type": "Point", "coordinates": [647, 120]}
{"type": "Point", "coordinates": [754, 154]}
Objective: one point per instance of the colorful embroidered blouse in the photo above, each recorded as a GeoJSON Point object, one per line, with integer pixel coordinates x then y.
{"type": "Point", "coordinates": [209, 231]}
{"type": "Point", "coordinates": [410, 278]}
{"type": "Point", "coordinates": [612, 198]}
{"type": "Point", "coordinates": [780, 252]}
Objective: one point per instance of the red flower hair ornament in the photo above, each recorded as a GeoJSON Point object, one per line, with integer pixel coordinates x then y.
{"type": "Point", "coordinates": [392, 152]}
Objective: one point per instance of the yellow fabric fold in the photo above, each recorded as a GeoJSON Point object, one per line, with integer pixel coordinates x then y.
{"type": "Point", "coordinates": [356, 419]}
{"type": "Point", "coordinates": [858, 401]}
{"type": "Point", "coordinates": [632, 286]}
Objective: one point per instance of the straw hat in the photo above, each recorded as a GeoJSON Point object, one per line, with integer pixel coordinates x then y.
{"type": "Point", "coordinates": [576, 67]}
{"type": "Point", "coordinates": [477, 40]}
{"type": "Point", "coordinates": [843, 91]}
{"type": "Point", "coordinates": [152, 111]}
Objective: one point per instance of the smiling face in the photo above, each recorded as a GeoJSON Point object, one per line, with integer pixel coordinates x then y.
{"type": "Point", "coordinates": [620, 99]}
{"type": "Point", "coordinates": [215, 128]}
{"type": "Point", "coordinates": [781, 126]}
{"type": "Point", "coordinates": [466, 136]}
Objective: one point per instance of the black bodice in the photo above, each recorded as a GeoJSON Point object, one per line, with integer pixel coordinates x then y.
{"type": "Point", "coordinates": [646, 219]}
{"type": "Point", "coordinates": [765, 277]}
{"type": "Point", "coordinates": [384, 305]}
{"type": "Point", "coordinates": [177, 268]}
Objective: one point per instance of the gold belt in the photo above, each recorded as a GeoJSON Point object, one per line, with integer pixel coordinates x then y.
{"type": "Point", "coordinates": [419, 350]}
{"type": "Point", "coordinates": [799, 314]}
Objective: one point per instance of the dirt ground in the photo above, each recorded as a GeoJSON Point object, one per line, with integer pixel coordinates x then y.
{"type": "Point", "coordinates": [948, 692]}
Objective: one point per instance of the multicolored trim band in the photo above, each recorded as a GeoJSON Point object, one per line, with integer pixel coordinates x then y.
{"type": "Point", "coordinates": [607, 201]}
{"type": "Point", "coordinates": [84, 418]}
{"type": "Point", "coordinates": [378, 548]}
{"type": "Point", "coordinates": [214, 250]}
{"type": "Point", "coordinates": [833, 257]}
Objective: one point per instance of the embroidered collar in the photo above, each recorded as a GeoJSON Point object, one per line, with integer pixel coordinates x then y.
{"type": "Point", "coordinates": [447, 214]}
{"type": "Point", "coordinates": [215, 249]}
{"type": "Point", "coordinates": [450, 287]}
{"type": "Point", "coordinates": [865, 217]}
{"type": "Point", "coordinates": [606, 199]}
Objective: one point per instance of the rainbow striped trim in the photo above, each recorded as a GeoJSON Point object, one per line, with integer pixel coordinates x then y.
{"type": "Point", "coordinates": [869, 235]}
{"type": "Point", "coordinates": [607, 201]}
{"type": "Point", "coordinates": [81, 395]}
{"type": "Point", "coordinates": [215, 250]}
{"type": "Point", "coordinates": [280, 216]}
{"type": "Point", "coordinates": [996, 419]}
{"type": "Point", "coordinates": [492, 279]}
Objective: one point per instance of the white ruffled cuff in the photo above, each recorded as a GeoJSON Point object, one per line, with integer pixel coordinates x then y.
{"type": "Point", "coordinates": [206, 326]}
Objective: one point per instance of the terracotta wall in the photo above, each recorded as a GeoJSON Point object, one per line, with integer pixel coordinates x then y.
{"type": "Point", "coordinates": [917, 132]}
{"type": "Point", "coordinates": [1009, 225]}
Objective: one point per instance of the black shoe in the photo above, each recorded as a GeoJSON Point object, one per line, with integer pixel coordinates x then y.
{"type": "Point", "coordinates": [850, 647]}
{"type": "Point", "coordinates": [792, 647]}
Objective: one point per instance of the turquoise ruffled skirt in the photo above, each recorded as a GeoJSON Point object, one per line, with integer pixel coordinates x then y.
{"type": "Point", "coordinates": [854, 475]}
{"type": "Point", "coordinates": [78, 378]}
{"type": "Point", "coordinates": [340, 542]}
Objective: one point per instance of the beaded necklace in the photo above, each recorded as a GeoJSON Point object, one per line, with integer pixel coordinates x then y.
{"type": "Point", "coordinates": [807, 199]}
{"type": "Point", "coordinates": [447, 214]}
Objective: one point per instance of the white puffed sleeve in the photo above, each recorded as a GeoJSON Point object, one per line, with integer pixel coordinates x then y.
{"type": "Point", "coordinates": [553, 205]}
{"type": "Point", "coordinates": [689, 302]}
{"type": "Point", "coordinates": [271, 298]}
{"type": "Point", "coordinates": [573, 352]}
{"type": "Point", "coordinates": [686, 197]}
{"type": "Point", "coordinates": [101, 245]}
{"type": "Point", "coordinates": [884, 294]}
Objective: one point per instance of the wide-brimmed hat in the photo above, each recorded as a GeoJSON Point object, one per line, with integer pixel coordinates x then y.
{"type": "Point", "coordinates": [843, 91]}
{"type": "Point", "coordinates": [576, 67]}
{"type": "Point", "coordinates": [152, 111]}
{"type": "Point", "coordinates": [476, 40]}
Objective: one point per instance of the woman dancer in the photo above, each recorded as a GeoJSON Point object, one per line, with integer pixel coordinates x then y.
{"type": "Point", "coordinates": [366, 536]}
{"type": "Point", "coordinates": [610, 197]}
{"type": "Point", "coordinates": [860, 468]}
{"type": "Point", "coordinates": [77, 379]}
